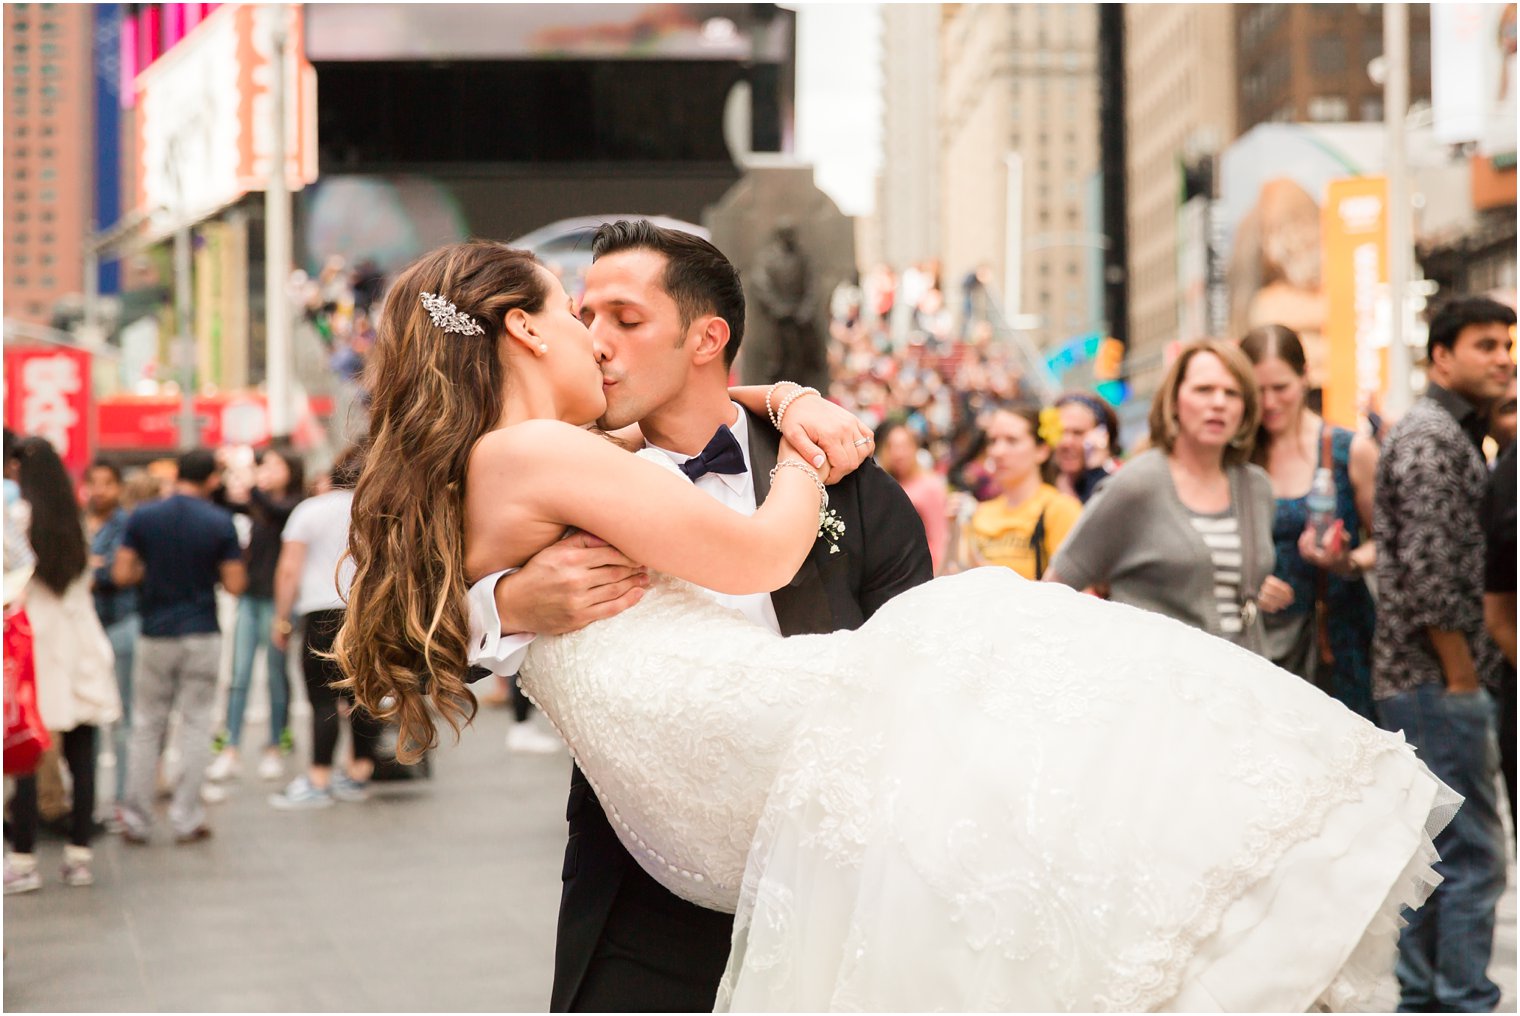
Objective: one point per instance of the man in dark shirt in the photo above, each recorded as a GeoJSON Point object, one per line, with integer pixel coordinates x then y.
{"type": "Point", "coordinates": [1432, 656]}
{"type": "Point", "coordinates": [177, 550]}
{"type": "Point", "coordinates": [1499, 606]}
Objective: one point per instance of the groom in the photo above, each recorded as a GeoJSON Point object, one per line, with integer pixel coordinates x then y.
{"type": "Point", "coordinates": [666, 314]}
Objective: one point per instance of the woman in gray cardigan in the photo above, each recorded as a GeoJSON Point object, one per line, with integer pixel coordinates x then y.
{"type": "Point", "coordinates": [1185, 529]}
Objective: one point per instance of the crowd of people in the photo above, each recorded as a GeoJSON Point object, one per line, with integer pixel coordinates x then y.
{"type": "Point", "coordinates": [120, 589]}
{"type": "Point", "coordinates": [1380, 568]}
{"type": "Point", "coordinates": [1382, 571]}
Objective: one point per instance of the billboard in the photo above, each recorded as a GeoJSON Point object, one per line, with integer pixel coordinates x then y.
{"type": "Point", "coordinates": [204, 120]}
{"type": "Point", "coordinates": [670, 31]}
{"type": "Point", "coordinates": [1473, 75]}
{"type": "Point", "coordinates": [47, 394]}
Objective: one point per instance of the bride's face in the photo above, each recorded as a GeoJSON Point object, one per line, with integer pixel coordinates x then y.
{"type": "Point", "coordinates": [570, 362]}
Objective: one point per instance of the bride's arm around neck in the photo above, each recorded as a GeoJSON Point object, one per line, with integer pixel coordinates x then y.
{"type": "Point", "coordinates": [526, 483]}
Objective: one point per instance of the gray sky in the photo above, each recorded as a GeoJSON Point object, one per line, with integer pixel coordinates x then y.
{"type": "Point", "coordinates": [839, 99]}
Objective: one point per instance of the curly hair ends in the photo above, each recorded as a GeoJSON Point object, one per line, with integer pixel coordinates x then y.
{"type": "Point", "coordinates": [57, 535]}
{"type": "Point", "coordinates": [405, 633]}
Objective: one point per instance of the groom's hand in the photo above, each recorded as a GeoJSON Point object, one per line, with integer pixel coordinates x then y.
{"type": "Point", "coordinates": [818, 428]}
{"type": "Point", "coordinates": [567, 585]}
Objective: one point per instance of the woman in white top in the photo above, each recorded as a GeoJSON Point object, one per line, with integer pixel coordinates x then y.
{"type": "Point", "coordinates": [308, 584]}
{"type": "Point", "coordinates": [75, 667]}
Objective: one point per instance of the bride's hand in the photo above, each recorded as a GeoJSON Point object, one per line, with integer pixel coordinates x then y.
{"type": "Point", "coordinates": [816, 427]}
{"type": "Point", "coordinates": [787, 451]}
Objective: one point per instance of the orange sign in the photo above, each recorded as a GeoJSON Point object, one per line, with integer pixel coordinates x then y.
{"type": "Point", "coordinates": [1354, 228]}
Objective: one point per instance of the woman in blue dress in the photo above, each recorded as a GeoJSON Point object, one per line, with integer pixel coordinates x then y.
{"type": "Point", "coordinates": [1326, 635]}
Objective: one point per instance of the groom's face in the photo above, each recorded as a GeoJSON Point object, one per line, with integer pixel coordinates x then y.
{"type": "Point", "coordinates": [636, 332]}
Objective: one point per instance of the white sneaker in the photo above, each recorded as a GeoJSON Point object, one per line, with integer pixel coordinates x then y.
{"type": "Point", "coordinates": [271, 768]}
{"type": "Point", "coordinates": [212, 794]}
{"type": "Point", "coordinates": [223, 766]}
{"type": "Point", "coordinates": [525, 737]}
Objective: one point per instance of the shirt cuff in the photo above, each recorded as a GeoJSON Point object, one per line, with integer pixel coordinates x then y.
{"type": "Point", "coordinates": [489, 648]}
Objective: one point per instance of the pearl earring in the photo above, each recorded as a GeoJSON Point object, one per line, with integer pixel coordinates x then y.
{"type": "Point", "coordinates": [543, 347]}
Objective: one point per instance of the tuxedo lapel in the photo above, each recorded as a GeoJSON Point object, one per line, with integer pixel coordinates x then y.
{"type": "Point", "coordinates": [802, 605]}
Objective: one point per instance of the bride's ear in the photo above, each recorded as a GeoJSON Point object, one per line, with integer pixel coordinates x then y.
{"type": "Point", "coordinates": [519, 326]}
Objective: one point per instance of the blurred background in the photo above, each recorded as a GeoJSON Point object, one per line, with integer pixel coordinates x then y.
{"type": "Point", "coordinates": [203, 202]}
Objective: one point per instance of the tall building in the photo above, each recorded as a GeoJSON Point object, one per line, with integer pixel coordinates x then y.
{"type": "Point", "coordinates": [1307, 63]}
{"type": "Point", "coordinates": [1019, 96]}
{"type": "Point", "coordinates": [907, 202]}
{"type": "Point", "coordinates": [48, 155]}
{"type": "Point", "coordinates": [1180, 97]}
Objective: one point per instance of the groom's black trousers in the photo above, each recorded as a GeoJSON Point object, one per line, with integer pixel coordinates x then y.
{"type": "Point", "coordinates": [655, 952]}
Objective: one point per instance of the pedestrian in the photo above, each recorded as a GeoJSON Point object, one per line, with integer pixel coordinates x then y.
{"type": "Point", "coordinates": [76, 681]}
{"type": "Point", "coordinates": [1089, 448]}
{"type": "Point", "coordinates": [1325, 635]}
{"type": "Point", "coordinates": [278, 487]}
{"type": "Point", "coordinates": [1499, 606]}
{"type": "Point", "coordinates": [311, 585]}
{"type": "Point", "coordinates": [1185, 528]}
{"type": "Point", "coordinates": [178, 550]}
{"type": "Point", "coordinates": [1432, 657]}
{"type": "Point", "coordinates": [106, 526]}
{"type": "Point", "coordinates": [1024, 526]}
{"type": "Point", "coordinates": [898, 450]}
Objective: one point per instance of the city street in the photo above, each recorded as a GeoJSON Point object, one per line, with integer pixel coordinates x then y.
{"type": "Point", "coordinates": [435, 896]}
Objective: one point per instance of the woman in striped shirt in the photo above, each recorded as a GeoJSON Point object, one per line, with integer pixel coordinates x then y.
{"type": "Point", "coordinates": [1185, 529]}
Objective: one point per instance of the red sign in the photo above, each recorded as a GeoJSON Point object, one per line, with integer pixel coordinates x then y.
{"type": "Point", "coordinates": [151, 422]}
{"type": "Point", "coordinates": [47, 394]}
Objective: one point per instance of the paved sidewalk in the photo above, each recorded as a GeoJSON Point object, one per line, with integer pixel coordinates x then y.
{"type": "Point", "coordinates": [434, 896]}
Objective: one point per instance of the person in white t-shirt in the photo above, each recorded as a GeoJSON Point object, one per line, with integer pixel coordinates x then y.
{"type": "Point", "coordinates": [309, 585]}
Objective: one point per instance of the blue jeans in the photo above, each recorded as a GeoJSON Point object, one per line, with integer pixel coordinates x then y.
{"type": "Point", "coordinates": [1445, 950]}
{"type": "Point", "coordinates": [255, 619]}
{"type": "Point", "coordinates": [123, 635]}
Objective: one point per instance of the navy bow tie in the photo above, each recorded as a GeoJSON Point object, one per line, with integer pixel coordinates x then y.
{"type": "Point", "coordinates": [722, 455]}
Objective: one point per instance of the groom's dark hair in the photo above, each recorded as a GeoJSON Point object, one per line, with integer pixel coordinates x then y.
{"type": "Point", "coordinates": [697, 275]}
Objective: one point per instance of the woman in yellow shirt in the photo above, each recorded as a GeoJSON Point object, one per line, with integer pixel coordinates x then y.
{"type": "Point", "coordinates": [1022, 528]}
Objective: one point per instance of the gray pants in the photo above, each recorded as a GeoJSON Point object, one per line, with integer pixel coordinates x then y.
{"type": "Point", "coordinates": [169, 672]}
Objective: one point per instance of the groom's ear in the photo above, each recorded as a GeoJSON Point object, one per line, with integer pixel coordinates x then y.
{"type": "Point", "coordinates": [710, 340]}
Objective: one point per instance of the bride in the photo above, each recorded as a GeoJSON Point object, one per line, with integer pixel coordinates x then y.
{"type": "Point", "coordinates": [996, 794]}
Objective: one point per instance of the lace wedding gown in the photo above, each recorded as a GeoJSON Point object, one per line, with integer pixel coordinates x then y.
{"type": "Point", "coordinates": [999, 795]}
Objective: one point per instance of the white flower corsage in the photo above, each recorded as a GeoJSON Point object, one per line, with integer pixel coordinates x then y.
{"type": "Point", "coordinates": [831, 528]}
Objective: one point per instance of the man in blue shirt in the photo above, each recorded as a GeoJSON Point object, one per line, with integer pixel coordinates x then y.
{"type": "Point", "coordinates": [176, 551]}
{"type": "Point", "coordinates": [106, 525]}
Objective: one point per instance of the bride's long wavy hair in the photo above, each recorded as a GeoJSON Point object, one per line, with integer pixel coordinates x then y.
{"type": "Point", "coordinates": [405, 633]}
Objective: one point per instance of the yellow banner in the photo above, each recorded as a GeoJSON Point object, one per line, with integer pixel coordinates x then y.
{"type": "Point", "coordinates": [1354, 227]}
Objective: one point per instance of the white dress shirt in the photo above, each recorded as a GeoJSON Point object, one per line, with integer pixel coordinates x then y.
{"type": "Point", "coordinates": [503, 654]}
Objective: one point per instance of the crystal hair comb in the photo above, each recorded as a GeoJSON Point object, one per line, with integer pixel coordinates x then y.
{"type": "Point", "coordinates": [448, 317]}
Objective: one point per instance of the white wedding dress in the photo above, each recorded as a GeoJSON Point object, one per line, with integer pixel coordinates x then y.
{"type": "Point", "coordinates": [999, 795]}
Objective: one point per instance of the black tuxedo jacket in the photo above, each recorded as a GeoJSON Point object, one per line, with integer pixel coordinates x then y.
{"type": "Point", "coordinates": [624, 942]}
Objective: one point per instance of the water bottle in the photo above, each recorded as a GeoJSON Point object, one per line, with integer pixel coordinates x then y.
{"type": "Point", "coordinates": [1321, 504]}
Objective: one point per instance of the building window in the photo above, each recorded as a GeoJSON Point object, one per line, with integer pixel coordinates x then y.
{"type": "Point", "coordinates": [47, 238]}
{"type": "Point", "coordinates": [19, 174]}
{"type": "Point", "coordinates": [46, 259]}
{"type": "Point", "coordinates": [48, 282]}
{"type": "Point", "coordinates": [21, 280]}
{"type": "Point", "coordinates": [1372, 110]}
{"type": "Point", "coordinates": [1328, 53]}
{"type": "Point", "coordinates": [1328, 108]}
{"type": "Point", "coordinates": [20, 238]}
{"type": "Point", "coordinates": [49, 173]}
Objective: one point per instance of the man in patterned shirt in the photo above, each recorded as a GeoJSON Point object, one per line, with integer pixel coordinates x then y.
{"type": "Point", "coordinates": [1432, 657]}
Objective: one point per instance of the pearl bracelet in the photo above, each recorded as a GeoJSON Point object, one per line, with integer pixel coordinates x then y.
{"type": "Point", "coordinates": [823, 492]}
{"type": "Point", "coordinates": [787, 402]}
{"type": "Point", "coordinates": [769, 395]}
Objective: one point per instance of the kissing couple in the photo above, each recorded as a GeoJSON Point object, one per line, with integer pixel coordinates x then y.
{"type": "Point", "coordinates": [807, 777]}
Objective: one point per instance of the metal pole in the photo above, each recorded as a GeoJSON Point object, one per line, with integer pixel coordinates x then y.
{"type": "Point", "coordinates": [184, 342]}
{"type": "Point", "coordinates": [89, 333]}
{"type": "Point", "coordinates": [1013, 239]}
{"type": "Point", "coordinates": [277, 243]}
{"type": "Point", "coordinates": [1400, 227]}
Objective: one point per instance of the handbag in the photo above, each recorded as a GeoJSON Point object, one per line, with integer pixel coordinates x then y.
{"type": "Point", "coordinates": [26, 738]}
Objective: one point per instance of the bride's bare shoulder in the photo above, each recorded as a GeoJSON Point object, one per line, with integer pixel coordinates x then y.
{"type": "Point", "coordinates": [533, 443]}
